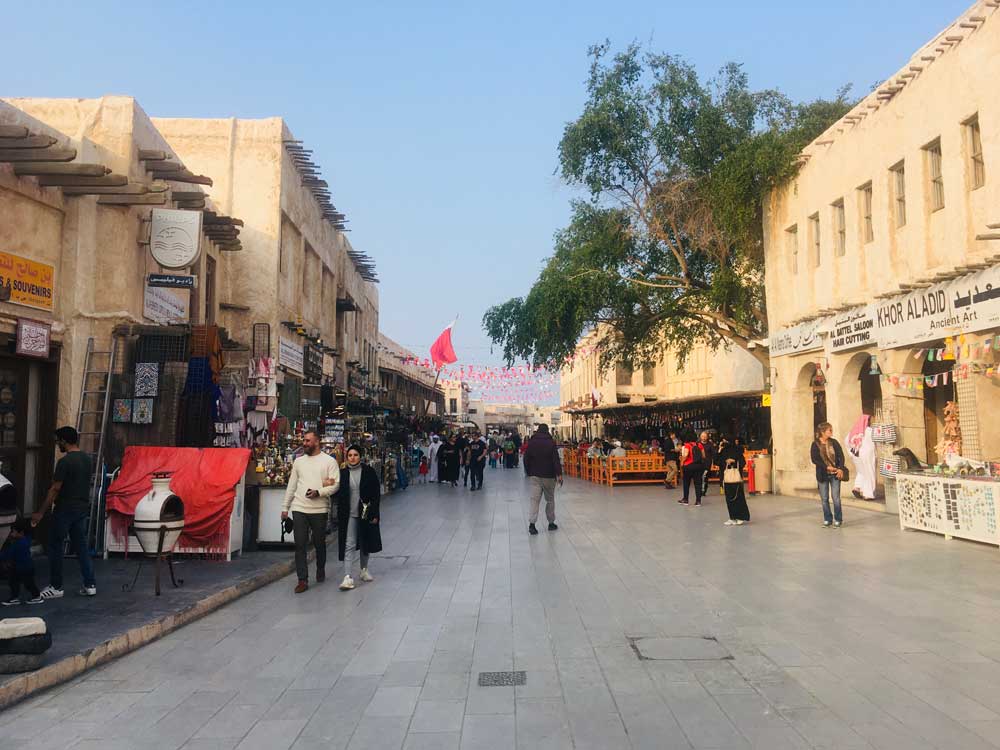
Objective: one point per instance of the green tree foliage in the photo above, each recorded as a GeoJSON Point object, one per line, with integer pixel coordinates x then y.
{"type": "Point", "coordinates": [667, 249]}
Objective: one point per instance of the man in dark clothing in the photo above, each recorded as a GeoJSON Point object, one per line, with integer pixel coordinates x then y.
{"type": "Point", "coordinates": [477, 461]}
{"type": "Point", "coordinates": [709, 450]}
{"type": "Point", "coordinates": [462, 443]}
{"type": "Point", "coordinates": [516, 438]}
{"type": "Point", "coordinates": [70, 492]}
{"type": "Point", "coordinates": [541, 464]}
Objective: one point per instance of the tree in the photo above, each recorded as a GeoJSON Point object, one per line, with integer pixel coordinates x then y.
{"type": "Point", "coordinates": [668, 248]}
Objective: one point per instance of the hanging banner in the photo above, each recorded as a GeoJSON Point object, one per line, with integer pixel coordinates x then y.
{"type": "Point", "coordinates": [852, 329]}
{"type": "Point", "coordinates": [805, 337]}
{"type": "Point", "coordinates": [31, 284]}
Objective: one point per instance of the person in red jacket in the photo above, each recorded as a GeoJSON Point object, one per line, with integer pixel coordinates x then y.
{"type": "Point", "coordinates": [541, 464]}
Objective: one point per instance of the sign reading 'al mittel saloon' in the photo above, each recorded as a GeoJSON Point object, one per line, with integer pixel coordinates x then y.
{"type": "Point", "coordinates": [31, 283]}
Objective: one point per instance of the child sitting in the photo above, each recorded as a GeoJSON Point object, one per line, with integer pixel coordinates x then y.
{"type": "Point", "coordinates": [422, 471]}
{"type": "Point", "coordinates": [18, 565]}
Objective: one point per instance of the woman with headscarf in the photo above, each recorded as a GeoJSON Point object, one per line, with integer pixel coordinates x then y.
{"type": "Point", "coordinates": [731, 461]}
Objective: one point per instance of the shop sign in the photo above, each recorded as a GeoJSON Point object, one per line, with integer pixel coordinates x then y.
{"type": "Point", "coordinates": [333, 429]}
{"type": "Point", "coordinates": [31, 284]}
{"type": "Point", "coordinates": [328, 365]}
{"type": "Point", "coordinates": [170, 281]}
{"type": "Point", "coordinates": [175, 237]}
{"type": "Point", "coordinates": [765, 399]}
{"type": "Point", "coordinates": [804, 337]}
{"type": "Point", "coordinates": [965, 305]}
{"type": "Point", "coordinates": [853, 329]}
{"type": "Point", "coordinates": [290, 355]}
{"type": "Point", "coordinates": [34, 338]}
{"type": "Point", "coordinates": [165, 306]}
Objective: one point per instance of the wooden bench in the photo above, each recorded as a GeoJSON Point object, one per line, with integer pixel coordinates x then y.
{"type": "Point", "coordinates": [642, 468]}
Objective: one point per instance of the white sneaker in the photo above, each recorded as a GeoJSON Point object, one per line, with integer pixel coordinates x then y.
{"type": "Point", "coordinates": [730, 522]}
{"type": "Point", "coordinates": [88, 591]}
{"type": "Point", "coordinates": [347, 584]}
{"type": "Point", "coordinates": [50, 593]}
{"type": "Point", "coordinates": [365, 576]}
{"type": "Point", "coordinates": [739, 523]}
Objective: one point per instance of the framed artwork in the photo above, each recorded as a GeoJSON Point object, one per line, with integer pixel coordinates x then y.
{"type": "Point", "coordinates": [122, 410]}
{"type": "Point", "coordinates": [147, 379]}
{"type": "Point", "coordinates": [142, 411]}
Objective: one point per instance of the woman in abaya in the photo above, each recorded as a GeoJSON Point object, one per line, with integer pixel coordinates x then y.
{"type": "Point", "coordinates": [731, 456]}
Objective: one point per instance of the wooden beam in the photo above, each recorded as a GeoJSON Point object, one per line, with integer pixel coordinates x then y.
{"type": "Point", "coordinates": [226, 220]}
{"type": "Point", "coordinates": [188, 195]}
{"type": "Point", "coordinates": [35, 168]}
{"type": "Point", "coordinates": [30, 141]}
{"type": "Point", "coordinates": [37, 154]}
{"type": "Point", "coordinates": [72, 180]}
{"type": "Point", "coordinates": [151, 199]}
{"type": "Point", "coordinates": [13, 131]}
{"type": "Point", "coordinates": [131, 189]}
{"type": "Point", "coordinates": [190, 205]}
{"type": "Point", "coordinates": [195, 179]}
{"type": "Point", "coordinates": [166, 166]}
{"type": "Point", "coordinates": [151, 154]}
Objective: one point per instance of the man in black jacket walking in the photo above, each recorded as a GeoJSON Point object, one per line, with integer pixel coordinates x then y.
{"type": "Point", "coordinates": [541, 464]}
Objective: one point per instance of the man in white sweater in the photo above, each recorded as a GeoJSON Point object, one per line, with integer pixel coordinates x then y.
{"type": "Point", "coordinates": [314, 478]}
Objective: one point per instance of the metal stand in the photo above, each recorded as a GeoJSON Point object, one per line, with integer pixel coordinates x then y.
{"type": "Point", "coordinates": [160, 555]}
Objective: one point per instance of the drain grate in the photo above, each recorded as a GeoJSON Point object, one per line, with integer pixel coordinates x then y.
{"type": "Point", "coordinates": [498, 679]}
{"type": "Point", "coordinates": [679, 648]}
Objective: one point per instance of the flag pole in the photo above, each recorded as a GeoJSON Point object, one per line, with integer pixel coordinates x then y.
{"type": "Point", "coordinates": [427, 402]}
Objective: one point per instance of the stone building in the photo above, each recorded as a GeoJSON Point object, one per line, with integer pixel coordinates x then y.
{"type": "Point", "coordinates": [77, 187]}
{"type": "Point", "coordinates": [298, 277]}
{"type": "Point", "coordinates": [405, 385]}
{"type": "Point", "coordinates": [881, 259]}
{"type": "Point", "coordinates": [668, 392]}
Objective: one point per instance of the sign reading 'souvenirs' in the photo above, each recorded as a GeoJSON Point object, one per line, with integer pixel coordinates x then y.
{"type": "Point", "coordinates": [31, 283]}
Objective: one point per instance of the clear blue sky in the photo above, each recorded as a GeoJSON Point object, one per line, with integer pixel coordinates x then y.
{"type": "Point", "coordinates": [436, 124]}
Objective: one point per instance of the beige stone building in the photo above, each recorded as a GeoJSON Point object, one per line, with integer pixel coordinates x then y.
{"type": "Point", "coordinates": [882, 257]}
{"type": "Point", "coordinates": [405, 385]}
{"type": "Point", "coordinates": [298, 274]}
{"type": "Point", "coordinates": [589, 397]}
{"type": "Point", "coordinates": [456, 400]}
{"type": "Point", "coordinates": [76, 192]}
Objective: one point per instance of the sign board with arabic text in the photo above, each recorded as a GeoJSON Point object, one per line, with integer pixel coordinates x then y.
{"type": "Point", "coordinates": [31, 283]}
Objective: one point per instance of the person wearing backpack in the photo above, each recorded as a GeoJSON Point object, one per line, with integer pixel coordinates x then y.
{"type": "Point", "coordinates": [692, 467]}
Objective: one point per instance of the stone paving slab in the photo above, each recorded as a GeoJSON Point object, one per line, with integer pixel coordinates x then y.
{"type": "Point", "coordinates": [864, 637]}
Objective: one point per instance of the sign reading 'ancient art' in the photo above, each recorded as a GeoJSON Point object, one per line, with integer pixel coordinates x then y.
{"type": "Point", "coordinates": [31, 283]}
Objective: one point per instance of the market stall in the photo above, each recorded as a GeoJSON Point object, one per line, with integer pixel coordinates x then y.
{"type": "Point", "coordinates": [955, 506]}
{"type": "Point", "coordinates": [209, 481]}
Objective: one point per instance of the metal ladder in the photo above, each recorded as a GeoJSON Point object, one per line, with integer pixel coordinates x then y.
{"type": "Point", "coordinates": [92, 422]}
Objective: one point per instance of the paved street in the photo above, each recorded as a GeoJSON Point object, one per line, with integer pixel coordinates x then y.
{"type": "Point", "coordinates": [777, 635]}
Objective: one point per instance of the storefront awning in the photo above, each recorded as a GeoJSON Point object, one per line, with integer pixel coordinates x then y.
{"type": "Point", "coordinates": [668, 402]}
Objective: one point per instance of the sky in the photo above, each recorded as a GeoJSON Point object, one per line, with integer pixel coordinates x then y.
{"type": "Point", "coordinates": [437, 124]}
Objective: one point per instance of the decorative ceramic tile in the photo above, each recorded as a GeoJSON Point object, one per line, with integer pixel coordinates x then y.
{"type": "Point", "coordinates": [142, 411]}
{"type": "Point", "coordinates": [122, 410]}
{"type": "Point", "coordinates": [147, 379]}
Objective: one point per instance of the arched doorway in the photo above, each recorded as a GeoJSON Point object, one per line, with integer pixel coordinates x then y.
{"type": "Point", "coordinates": [817, 382]}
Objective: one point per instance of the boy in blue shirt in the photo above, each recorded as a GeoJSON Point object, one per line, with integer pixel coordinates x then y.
{"type": "Point", "coordinates": [19, 567]}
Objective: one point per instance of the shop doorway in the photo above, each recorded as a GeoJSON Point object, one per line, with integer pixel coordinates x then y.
{"type": "Point", "coordinates": [817, 381]}
{"type": "Point", "coordinates": [935, 399]}
{"type": "Point", "coordinates": [871, 391]}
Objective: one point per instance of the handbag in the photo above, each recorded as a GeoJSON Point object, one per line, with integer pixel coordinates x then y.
{"type": "Point", "coordinates": [889, 467]}
{"type": "Point", "coordinates": [732, 474]}
{"type": "Point", "coordinates": [884, 433]}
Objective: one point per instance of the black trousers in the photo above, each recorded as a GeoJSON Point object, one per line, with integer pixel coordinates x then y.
{"type": "Point", "coordinates": [304, 524]}
{"type": "Point", "coordinates": [465, 475]}
{"type": "Point", "coordinates": [693, 475]}
{"type": "Point", "coordinates": [17, 579]}
{"type": "Point", "coordinates": [477, 474]}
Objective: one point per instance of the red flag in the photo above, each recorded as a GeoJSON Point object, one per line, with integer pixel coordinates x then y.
{"type": "Point", "coordinates": [441, 350]}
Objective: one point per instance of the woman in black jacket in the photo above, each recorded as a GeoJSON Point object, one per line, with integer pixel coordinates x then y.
{"type": "Point", "coordinates": [828, 458]}
{"type": "Point", "coordinates": [357, 517]}
{"type": "Point", "coordinates": [731, 457]}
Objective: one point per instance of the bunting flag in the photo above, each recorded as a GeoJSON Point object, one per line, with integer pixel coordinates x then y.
{"type": "Point", "coordinates": [442, 352]}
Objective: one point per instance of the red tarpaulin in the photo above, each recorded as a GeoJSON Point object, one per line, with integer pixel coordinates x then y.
{"type": "Point", "coordinates": [204, 478]}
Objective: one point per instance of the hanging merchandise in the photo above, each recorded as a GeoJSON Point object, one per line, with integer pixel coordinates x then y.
{"type": "Point", "coordinates": [884, 433]}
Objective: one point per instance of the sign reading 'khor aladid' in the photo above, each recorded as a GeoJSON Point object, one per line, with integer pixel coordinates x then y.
{"type": "Point", "coordinates": [175, 237]}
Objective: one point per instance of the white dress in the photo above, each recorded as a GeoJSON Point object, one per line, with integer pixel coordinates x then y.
{"type": "Point", "coordinates": [865, 461]}
{"type": "Point", "coordinates": [432, 462]}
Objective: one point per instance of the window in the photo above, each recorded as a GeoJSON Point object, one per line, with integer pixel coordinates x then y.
{"type": "Point", "coordinates": [867, 229]}
{"type": "Point", "coordinates": [839, 227]}
{"type": "Point", "coordinates": [649, 375]}
{"type": "Point", "coordinates": [899, 193]}
{"type": "Point", "coordinates": [453, 404]}
{"type": "Point", "coordinates": [977, 167]}
{"type": "Point", "coordinates": [934, 174]}
{"type": "Point", "coordinates": [792, 243]}
{"type": "Point", "coordinates": [473, 411]}
{"type": "Point", "coordinates": [623, 376]}
{"type": "Point", "coordinates": [814, 239]}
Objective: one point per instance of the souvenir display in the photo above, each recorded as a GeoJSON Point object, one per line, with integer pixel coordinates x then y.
{"type": "Point", "coordinates": [122, 411]}
{"type": "Point", "coordinates": [147, 379]}
{"type": "Point", "coordinates": [142, 411]}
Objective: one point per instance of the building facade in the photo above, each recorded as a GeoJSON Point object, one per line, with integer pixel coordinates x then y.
{"type": "Point", "coordinates": [405, 385]}
{"type": "Point", "coordinates": [881, 258]}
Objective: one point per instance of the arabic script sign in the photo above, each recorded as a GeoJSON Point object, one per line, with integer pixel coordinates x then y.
{"type": "Point", "coordinates": [32, 284]}
{"type": "Point", "coordinates": [852, 329]}
{"type": "Point", "coordinates": [798, 339]}
{"type": "Point", "coordinates": [33, 338]}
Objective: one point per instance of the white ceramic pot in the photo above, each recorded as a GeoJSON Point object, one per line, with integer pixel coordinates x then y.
{"type": "Point", "coordinates": [159, 509]}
